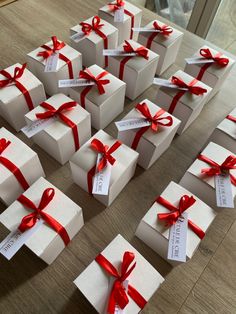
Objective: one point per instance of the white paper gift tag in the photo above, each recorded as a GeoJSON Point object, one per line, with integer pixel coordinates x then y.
{"type": "Point", "coordinates": [198, 60]}
{"type": "Point", "coordinates": [117, 53]}
{"type": "Point", "coordinates": [166, 83]}
{"type": "Point", "coordinates": [130, 124]}
{"type": "Point", "coordinates": [119, 15]}
{"type": "Point", "coordinates": [178, 239]}
{"type": "Point", "coordinates": [145, 30]}
{"type": "Point", "coordinates": [16, 239]}
{"type": "Point", "coordinates": [51, 63]}
{"type": "Point", "coordinates": [224, 195]}
{"type": "Point", "coordinates": [102, 179]}
{"type": "Point", "coordinates": [37, 126]}
{"type": "Point", "coordinates": [75, 83]}
{"type": "Point", "coordinates": [77, 36]}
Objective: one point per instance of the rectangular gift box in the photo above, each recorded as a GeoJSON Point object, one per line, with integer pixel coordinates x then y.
{"type": "Point", "coordinates": [104, 108]}
{"type": "Point", "coordinates": [215, 75]}
{"type": "Point", "coordinates": [138, 71]}
{"type": "Point", "coordinates": [45, 242]}
{"type": "Point", "coordinates": [201, 185]}
{"type": "Point", "coordinates": [225, 133]}
{"type": "Point", "coordinates": [121, 171]}
{"type": "Point", "coordinates": [57, 138]}
{"type": "Point", "coordinates": [132, 18]}
{"type": "Point", "coordinates": [189, 106]}
{"type": "Point", "coordinates": [151, 144]}
{"type": "Point", "coordinates": [91, 45]}
{"type": "Point", "coordinates": [165, 45]}
{"type": "Point", "coordinates": [22, 157]}
{"type": "Point", "coordinates": [50, 79]}
{"type": "Point", "coordinates": [155, 233]}
{"type": "Point", "coordinates": [96, 285]}
{"type": "Point", "coordinates": [14, 104]}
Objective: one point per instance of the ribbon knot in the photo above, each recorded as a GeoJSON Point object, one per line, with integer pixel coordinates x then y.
{"type": "Point", "coordinates": [164, 29]}
{"type": "Point", "coordinates": [3, 144]}
{"type": "Point", "coordinates": [116, 6]}
{"type": "Point", "coordinates": [18, 72]}
{"type": "Point", "coordinates": [56, 46]}
{"type": "Point", "coordinates": [206, 53]}
{"type": "Point", "coordinates": [141, 51]}
{"type": "Point", "coordinates": [98, 80]}
{"type": "Point", "coordinates": [196, 90]}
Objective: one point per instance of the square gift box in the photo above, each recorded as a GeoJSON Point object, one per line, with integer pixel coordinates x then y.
{"type": "Point", "coordinates": [203, 184]}
{"type": "Point", "coordinates": [19, 167]}
{"type": "Point", "coordinates": [20, 92]}
{"type": "Point", "coordinates": [155, 135]}
{"type": "Point", "coordinates": [130, 18]}
{"type": "Point", "coordinates": [48, 241]}
{"type": "Point", "coordinates": [213, 73]}
{"type": "Point", "coordinates": [66, 64]}
{"type": "Point", "coordinates": [155, 233]}
{"type": "Point", "coordinates": [101, 288]}
{"type": "Point", "coordinates": [163, 40]}
{"type": "Point", "coordinates": [118, 156]}
{"type": "Point", "coordinates": [70, 126]}
{"type": "Point", "coordinates": [225, 133]}
{"type": "Point", "coordinates": [91, 37]}
{"type": "Point", "coordinates": [105, 100]}
{"type": "Point", "coordinates": [186, 100]}
{"type": "Point", "coordinates": [137, 69]}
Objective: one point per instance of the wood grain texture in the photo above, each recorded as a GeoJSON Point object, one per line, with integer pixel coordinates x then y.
{"type": "Point", "coordinates": [30, 286]}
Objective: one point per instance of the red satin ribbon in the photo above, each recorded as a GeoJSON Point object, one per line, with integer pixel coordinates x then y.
{"type": "Point", "coordinates": [106, 152]}
{"type": "Point", "coordinates": [231, 118]}
{"type": "Point", "coordinates": [117, 6]}
{"type": "Point", "coordinates": [30, 220]}
{"type": "Point", "coordinates": [170, 218]}
{"type": "Point", "coordinates": [51, 112]}
{"type": "Point", "coordinates": [98, 80]}
{"type": "Point", "coordinates": [155, 120]}
{"type": "Point", "coordinates": [164, 30]}
{"type": "Point", "coordinates": [56, 47]}
{"type": "Point", "coordinates": [96, 27]}
{"type": "Point", "coordinates": [216, 169]}
{"type": "Point", "coordinates": [118, 295]}
{"type": "Point", "coordinates": [18, 72]}
{"type": "Point", "coordinates": [196, 90]}
{"type": "Point", "coordinates": [140, 52]}
{"type": "Point", "coordinates": [220, 61]}
{"type": "Point", "coordinates": [10, 166]}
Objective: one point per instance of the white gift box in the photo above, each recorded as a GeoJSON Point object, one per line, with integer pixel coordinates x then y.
{"type": "Point", "coordinates": [121, 172]}
{"type": "Point", "coordinates": [13, 104]}
{"type": "Point", "coordinates": [215, 75]}
{"type": "Point", "coordinates": [152, 144]}
{"type": "Point", "coordinates": [104, 108]}
{"type": "Point", "coordinates": [204, 186]}
{"type": "Point", "coordinates": [50, 79]}
{"type": "Point", "coordinates": [155, 233]}
{"type": "Point", "coordinates": [166, 46]}
{"type": "Point", "coordinates": [91, 46]}
{"type": "Point", "coordinates": [57, 139]}
{"type": "Point", "coordinates": [24, 158]}
{"type": "Point", "coordinates": [124, 27]}
{"type": "Point", "coordinates": [189, 105]}
{"type": "Point", "coordinates": [225, 133]}
{"type": "Point", "coordinates": [138, 71]}
{"type": "Point", "coordinates": [45, 242]}
{"type": "Point", "coordinates": [95, 284]}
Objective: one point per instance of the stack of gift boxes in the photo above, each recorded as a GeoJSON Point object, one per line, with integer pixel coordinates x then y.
{"type": "Point", "coordinates": [120, 59]}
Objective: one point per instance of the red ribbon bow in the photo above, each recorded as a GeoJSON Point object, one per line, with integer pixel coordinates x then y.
{"type": "Point", "coordinates": [106, 152]}
{"type": "Point", "coordinates": [141, 52]}
{"type": "Point", "coordinates": [10, 166]}
{"type": "Point", "coordinates": [176, 212]}
{"type": "Point", "coordinates": [217, 169]}
{"type": "Point", "coordinates": [51, 112]}
{"type": "Point", "coordinates": [118, 294]}
{"type": "Point", "coordinates": [30, 220]}
{"type": "Point", "coordinates": [155, 120]}
{"type": "Point", "coordinates": [56, 46]}
{"type": "Point", "coordinates": [165, 30]}
{"type": "Point", "coordinates": [206, 53]}
{"type": "Point", "coordinates": [18, 72]}
{"type": "Point", "coordinates": [231, 118]}
{"type": "Point", "coordinates": [98, 80]}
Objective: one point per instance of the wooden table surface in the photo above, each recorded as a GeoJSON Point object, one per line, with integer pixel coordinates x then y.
{"type": "Point", "coordinates": [207, 283]}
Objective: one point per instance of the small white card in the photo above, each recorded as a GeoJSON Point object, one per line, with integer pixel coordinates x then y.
{"type": "Point", "coordinates": [224, 195]}
{"type": "Point", "coordinates": [178, 239]}
{"type": "Point", "coordinates": [37, 126]}
{"type": "Point", "coordinates": [198, 60]}
{"type": "Point", "coordinates": [74, 83]}
{"type": "Point", "coordinates": [144, 30]}
{"type": "Point", "coordinates": [166, 83]}
{"type": "Point", "coordinates": [102, 179]}
{"type": "Point", "coordinates": [117, 53]}
{"type": "Point", "coordinates": [51, 63]}
{"type": "Point", "coordinates": [130, 124]}
{"type": "Point", "coordinates": [16, 239]}
{"type": "Point", "coordinates": [77, 36]}
{"type": "Point", "coordinates": [119, 15]}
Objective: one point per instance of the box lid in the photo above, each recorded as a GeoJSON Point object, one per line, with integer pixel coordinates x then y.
{"type": "Point", "coordinates": [228, 126]}
{"type": "Point", "coordinates": [128, 6]}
